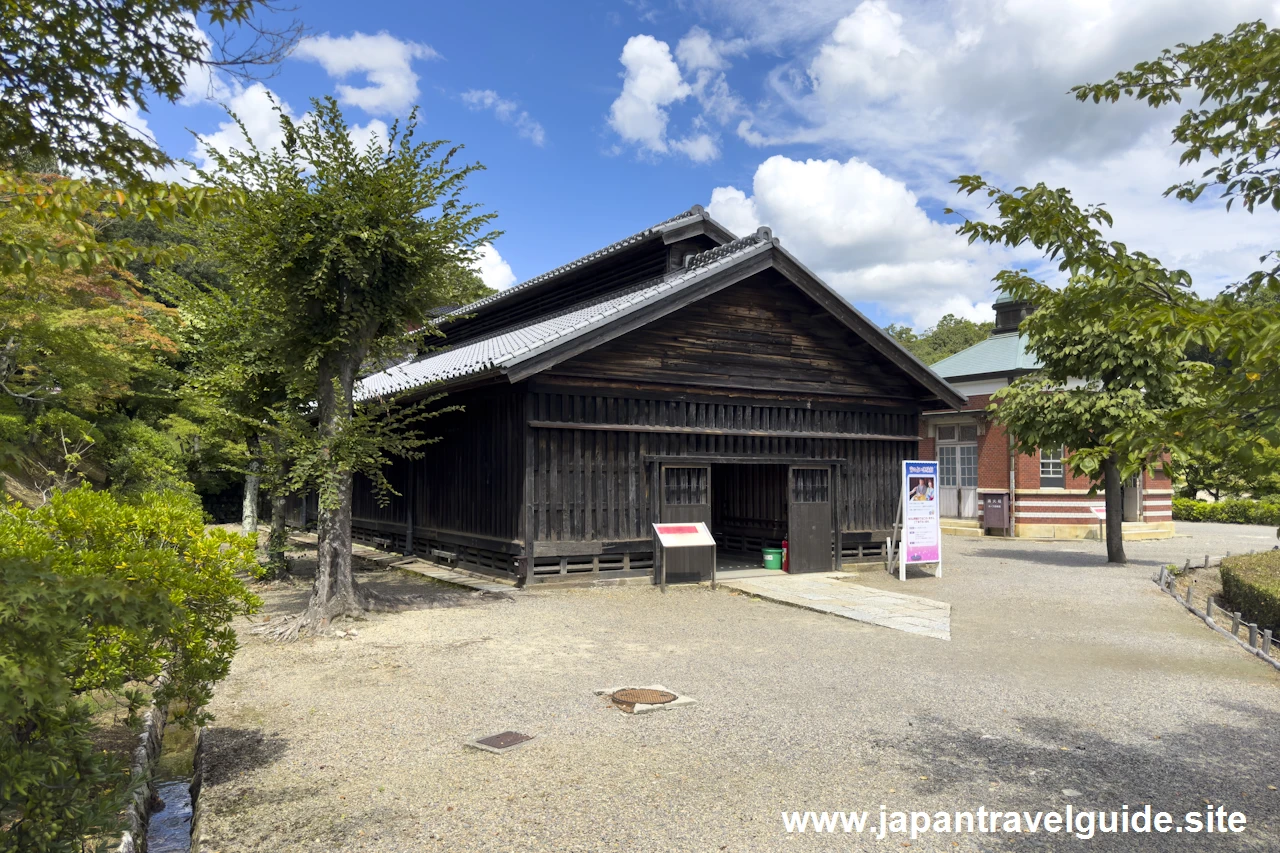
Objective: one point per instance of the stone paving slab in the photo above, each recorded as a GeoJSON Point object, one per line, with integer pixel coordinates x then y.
{"type": "Point", "coordinates": [827, 593]}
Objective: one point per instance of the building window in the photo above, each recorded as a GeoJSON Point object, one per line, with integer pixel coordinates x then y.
{"type": "Point", "coordinates": [1052, 475]}
{"type": "Point", "coordinates": [946, 433]}
{"type": "Point", "coordinates": [968, 465]}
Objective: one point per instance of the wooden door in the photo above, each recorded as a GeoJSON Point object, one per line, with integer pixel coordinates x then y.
{"type": "Point", "coordinates": [948, 482]}
{"type": "Point", "coordinates": [810, 514]}
{"type": "Point", "coordinates": [967, 456]}
{"type": "Point", "coordinates": [685, 495]}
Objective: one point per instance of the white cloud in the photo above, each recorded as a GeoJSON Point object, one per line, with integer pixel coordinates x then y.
{"type": "Point", "coordinates": [494, 271]}
{"type": "Point", "coordinates": [386, 62]}
{"type": "Point", "coordinates": [701, 148]}
{"type": "Point", "coordinates": [971, 82]}
{"type": "Point", "coordinates": [651, 82]}
{"type": "Point", "coordinates": [698, 50]}
{"type": "Point", "coordinates": [508, 112]}
{"type": "Point", "coordinates": [255, 106]}
{"type": "Point", "coordinates": [865, 234]}
{"type": "Point", "coordinates": [202, 83]}
{"type": "Point", "coordinates": [923, 92]}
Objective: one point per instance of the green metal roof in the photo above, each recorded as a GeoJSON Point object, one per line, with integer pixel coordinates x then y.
{"type": "Point", "coordinates": [998, 354]}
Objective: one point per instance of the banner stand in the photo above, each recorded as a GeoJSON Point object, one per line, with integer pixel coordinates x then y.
{"type": "Point", "coordinates": [917, 526]}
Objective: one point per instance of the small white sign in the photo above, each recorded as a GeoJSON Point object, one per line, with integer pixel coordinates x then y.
{"type": "Point", "coordinates": [684, 534]}
{"type": "Point", "coordinates": [1100, 512]}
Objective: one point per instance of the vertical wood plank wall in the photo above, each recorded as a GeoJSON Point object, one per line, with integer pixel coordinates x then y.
{"type": "Point", "coordinates": [465, 495]}
{"type": "Point", "coordinates": [585, 500]}
{"type": "Point", "coordinates": [592, 485]}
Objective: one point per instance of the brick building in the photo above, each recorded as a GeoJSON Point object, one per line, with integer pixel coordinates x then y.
{"type": "Point", "coordinates": [976, 457]}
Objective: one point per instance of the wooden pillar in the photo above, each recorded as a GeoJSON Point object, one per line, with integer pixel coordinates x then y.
{"type": "Point", "coordinates": [410, 490]}
{"type": "Point", "coordinates": [528, 522]}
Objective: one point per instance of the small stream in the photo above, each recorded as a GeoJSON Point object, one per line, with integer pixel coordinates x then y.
{"type": "Point", "coordinates": [169, 830]}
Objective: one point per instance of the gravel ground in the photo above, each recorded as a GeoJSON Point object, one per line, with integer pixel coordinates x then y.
{"type": "Point", "coordinates": [1064, 674]}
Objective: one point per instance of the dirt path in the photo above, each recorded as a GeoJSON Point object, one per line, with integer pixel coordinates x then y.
{"type": "Point", "coordinates": [1063, 675]}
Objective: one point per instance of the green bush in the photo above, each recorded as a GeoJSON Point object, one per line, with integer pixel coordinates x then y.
{"type": "Point", "coordinates": [56, 787]}
{"type": "Point", "coordinates": [97, 597]}
{"type": "Point", "coordinates": [1227, 511]}
{"type": "Point", "coordinates": [1251, 585]}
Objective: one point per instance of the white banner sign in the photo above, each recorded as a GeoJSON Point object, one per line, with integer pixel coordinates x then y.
{"type": "Point", "coordinates": [921, 521]}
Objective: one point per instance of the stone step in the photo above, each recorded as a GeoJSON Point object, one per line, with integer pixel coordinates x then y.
{"type": "Point", "coordinates": [950, 529]}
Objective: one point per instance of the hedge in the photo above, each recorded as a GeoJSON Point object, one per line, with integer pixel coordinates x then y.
{"type": "Point", "coordinates": [1228, 511]}
{"type": "Point", "coordinates": [1251, 585]}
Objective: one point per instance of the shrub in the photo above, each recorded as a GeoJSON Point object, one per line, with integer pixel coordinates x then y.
{"type": "Point", "coordinates": [98, 596]}
{"type": "Point", "coordinates": [1227, 511]}
{"type": "Point", "coordinates": [56, 788]}
{"type": "Point", "coordinates": [1251, 585]}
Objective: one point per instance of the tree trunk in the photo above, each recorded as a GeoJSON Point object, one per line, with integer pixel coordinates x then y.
{"type": "Point", "coordinates": [252, 480]}
{"type": "Point", "coordinates": [278, 538]}
{"type": "Point", "coordinates": [1115, 510]}
{"type": "Point", "coordinates": [335, 593]}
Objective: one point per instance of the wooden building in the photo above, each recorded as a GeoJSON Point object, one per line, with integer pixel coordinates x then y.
{"type": "Point", "coordinates": [680, 374]}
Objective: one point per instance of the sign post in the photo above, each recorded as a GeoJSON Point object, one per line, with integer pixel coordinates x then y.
{"type": "Point", "coordinates": [685, 535]}
{"type": "Point", "coordinates": [921, 521]}
{"type": "Point", "coordinates": [1101, 513]}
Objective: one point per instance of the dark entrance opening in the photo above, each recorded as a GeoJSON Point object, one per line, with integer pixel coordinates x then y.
{"type": "Point", "coordinates": [748, 512]}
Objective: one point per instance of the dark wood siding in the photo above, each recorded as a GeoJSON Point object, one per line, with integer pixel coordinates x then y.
{"type": "Point", "coordinates": [763, 333]}
{"type": "Point", "coordinates": [466, 494]}
{"type": "Point", "coordinates": [591, 482]}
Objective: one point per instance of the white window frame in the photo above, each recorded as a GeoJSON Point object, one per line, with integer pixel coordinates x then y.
{"type": "Point", "coordinates": [1060, 462]}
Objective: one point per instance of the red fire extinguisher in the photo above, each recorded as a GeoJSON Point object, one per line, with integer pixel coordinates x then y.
{"type": "Point", "coordinates": [786, 557]}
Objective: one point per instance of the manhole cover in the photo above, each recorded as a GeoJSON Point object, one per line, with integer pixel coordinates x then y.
{"type": "Point", "coordinates": [505, 740]}
{"type": "Point", "coordinates": [643, 696]}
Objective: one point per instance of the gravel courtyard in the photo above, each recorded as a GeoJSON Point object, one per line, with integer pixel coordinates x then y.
{"type": "Point", "coordinates": [1063, 675]}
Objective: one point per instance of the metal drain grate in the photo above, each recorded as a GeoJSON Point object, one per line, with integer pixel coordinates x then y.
{"type": "Point", "coordinates": [642, 696]}
{"type": "Point", "coordinates": [505, 740]}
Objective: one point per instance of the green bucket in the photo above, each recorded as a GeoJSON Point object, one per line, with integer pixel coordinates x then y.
{"type": "Point", "coordinates": [773, 558]}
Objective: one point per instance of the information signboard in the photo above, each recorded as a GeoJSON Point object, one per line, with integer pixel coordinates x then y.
{"type": "Point", "coordinates": [685, 534]}
{"type": "Point", "coordinates": [921, 521]}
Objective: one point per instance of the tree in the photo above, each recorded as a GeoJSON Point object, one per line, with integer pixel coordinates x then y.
{"type": "Point", "coordinates": [951, 335]}
{"type": "Point", "coordinates": [69, 69]}
{"type": "Point", "coordinates": [1237, 76]}
{"type": "Point", "coordinates": [1113, 423]}
{"type": "Point", "coordinates": [75, 337]}
{"type": "Point", "coordinates": [351, 247]}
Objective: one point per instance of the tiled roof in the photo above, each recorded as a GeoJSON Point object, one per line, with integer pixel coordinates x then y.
{"type": "Point", "coordinates": [504, 350]}
{"type": "Point", "coordinates": [695, 212]}
{"type": "Point", "coordinates": [999, 354]}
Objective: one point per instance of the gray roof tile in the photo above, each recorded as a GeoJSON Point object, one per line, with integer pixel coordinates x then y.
{"type": "Point", "coordinates": [695, 212]}
{"type": "Point", "coordinates": [506, 349]}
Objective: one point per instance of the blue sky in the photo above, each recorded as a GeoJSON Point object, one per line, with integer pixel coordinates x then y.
{"type": "Point", "coordinates": [838, 124]}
